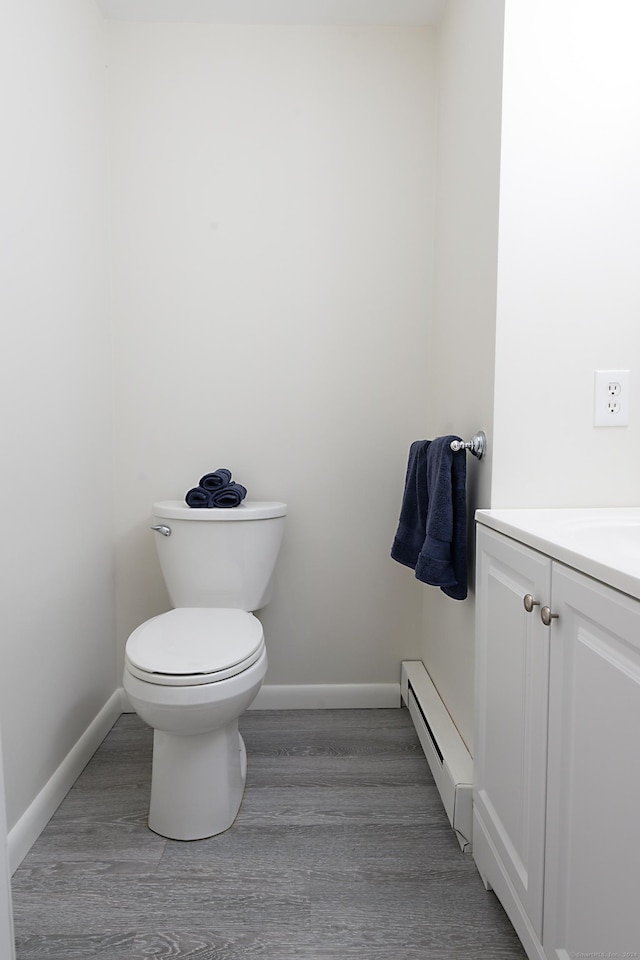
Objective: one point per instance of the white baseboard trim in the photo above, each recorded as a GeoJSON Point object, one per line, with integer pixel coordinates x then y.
{"type": "Point", "coordinates": [126, 706]}
{"type": "Point", "coordinates": [311, 696]}
{"type": "Point", "coordinates": [35, 818]}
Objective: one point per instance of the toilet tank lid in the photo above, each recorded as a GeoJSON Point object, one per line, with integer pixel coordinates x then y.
{"type": "Point", "coordinates": [247, 510]}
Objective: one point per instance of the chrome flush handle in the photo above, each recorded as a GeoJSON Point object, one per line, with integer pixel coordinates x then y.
{"type": "Point", "coordinates": [164, 530]}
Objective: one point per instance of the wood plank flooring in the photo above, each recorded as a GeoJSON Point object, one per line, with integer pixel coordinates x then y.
{"type": "Point", "coordinates": [341, 851]}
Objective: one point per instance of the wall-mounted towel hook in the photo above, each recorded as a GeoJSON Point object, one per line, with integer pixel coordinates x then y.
{"type": "Point", "coordinates": [476, 446]}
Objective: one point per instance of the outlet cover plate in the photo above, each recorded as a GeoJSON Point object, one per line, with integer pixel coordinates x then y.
{"type": "Point", "coordinates": [611, 398]}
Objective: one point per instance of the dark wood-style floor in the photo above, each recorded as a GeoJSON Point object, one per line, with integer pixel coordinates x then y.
{"type": "Point", "coordinates": [341, 850]}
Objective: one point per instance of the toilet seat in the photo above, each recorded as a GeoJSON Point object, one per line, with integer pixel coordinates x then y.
{"type": "Point", "coordinates": [194, 645]}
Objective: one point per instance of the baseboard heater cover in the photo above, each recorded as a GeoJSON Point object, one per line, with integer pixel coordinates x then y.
{"type": "Point", "coordinates": [450, 762]}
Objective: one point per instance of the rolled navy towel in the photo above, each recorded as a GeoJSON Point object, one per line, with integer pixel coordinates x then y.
{"type": "Point", "coordinates": [216, 480]}
{"type": "Point", "coordinates": [230, 496]}
{"type": "Point", "coordinates": [198, 497]}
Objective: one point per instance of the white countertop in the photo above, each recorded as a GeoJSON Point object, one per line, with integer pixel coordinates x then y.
{"type": "Point", "coordinates": [603, 542]}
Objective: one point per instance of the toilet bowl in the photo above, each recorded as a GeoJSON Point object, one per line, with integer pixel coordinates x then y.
{"type": "Point", "coordinates": [191, 672]}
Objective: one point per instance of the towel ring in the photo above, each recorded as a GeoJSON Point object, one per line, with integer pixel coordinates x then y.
{"type": "Point", "coordinates": [477, 446]}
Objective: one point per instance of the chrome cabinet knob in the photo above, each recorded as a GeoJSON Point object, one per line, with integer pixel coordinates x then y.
{"type": "Point", "coordinates": [164, 530]}
{"type": "Point", "coordinates": [529, 602]}
{"type": "Point", "coordinates": [546, 616]}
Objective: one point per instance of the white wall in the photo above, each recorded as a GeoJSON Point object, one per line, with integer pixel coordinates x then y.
{"type": "Point", "coordinates": [273, 219]}
{"type": "Point", "coordinates": [57, 647]}
{"type": "Point", "coordinates": [569, 298]}
{"type": "Point", "coordinates": [459, 386]}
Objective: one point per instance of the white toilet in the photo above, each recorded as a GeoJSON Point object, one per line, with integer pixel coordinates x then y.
{"type": "Point", "coordinates": [191, 672]}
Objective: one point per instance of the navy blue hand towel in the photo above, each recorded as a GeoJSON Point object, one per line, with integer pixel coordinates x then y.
{"type": "Point", "coordinates": [443, 558]}
{"type": "Point", "coordinates": [198, 497]}
{"type": "Point", "coordinates": [412, 525]}
{"type": "Point", "coordinates": [432, 531]}
{"type": "Point", "coordinates": [230, 496]}
{"type": "Point", "coordinates": [216, 480]}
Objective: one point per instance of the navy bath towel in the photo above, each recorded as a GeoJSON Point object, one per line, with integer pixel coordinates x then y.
{"type": "Point", "coordinates": [432, 532]}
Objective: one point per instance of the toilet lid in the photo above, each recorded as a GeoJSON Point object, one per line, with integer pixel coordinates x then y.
{"type": "Point", "coordinates": [194, 645]}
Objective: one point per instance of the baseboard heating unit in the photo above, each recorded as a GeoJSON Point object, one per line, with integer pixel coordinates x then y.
{"type": "Point", "coordinates": [450, 762]}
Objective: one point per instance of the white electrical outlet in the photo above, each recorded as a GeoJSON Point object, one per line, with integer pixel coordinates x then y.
{"type": "Point", "coordinates": [611, 398]}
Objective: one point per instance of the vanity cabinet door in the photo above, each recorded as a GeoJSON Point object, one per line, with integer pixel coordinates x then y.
{"type": "Point", "coordinates": [592, 897]}
{"type": "Point", "coordinates": [510, 752]}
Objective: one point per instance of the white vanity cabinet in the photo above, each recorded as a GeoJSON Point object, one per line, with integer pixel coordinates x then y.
{"type": "Point", "coordinates": [557, 752]}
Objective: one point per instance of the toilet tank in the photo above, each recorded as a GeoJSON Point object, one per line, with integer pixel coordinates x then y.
{"type": "Point", "coordinates": [219, 557]}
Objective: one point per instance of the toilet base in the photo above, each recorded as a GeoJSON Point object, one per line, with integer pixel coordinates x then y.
{"type": "Point", "coordinates": [197, 783]}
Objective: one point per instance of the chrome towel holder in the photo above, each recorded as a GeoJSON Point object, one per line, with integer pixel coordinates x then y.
{"type": "Point", "coordinates": [477, 446]}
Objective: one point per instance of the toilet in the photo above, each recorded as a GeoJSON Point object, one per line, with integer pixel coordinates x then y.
{"type": "Point", "coordinates": [191, 672]}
